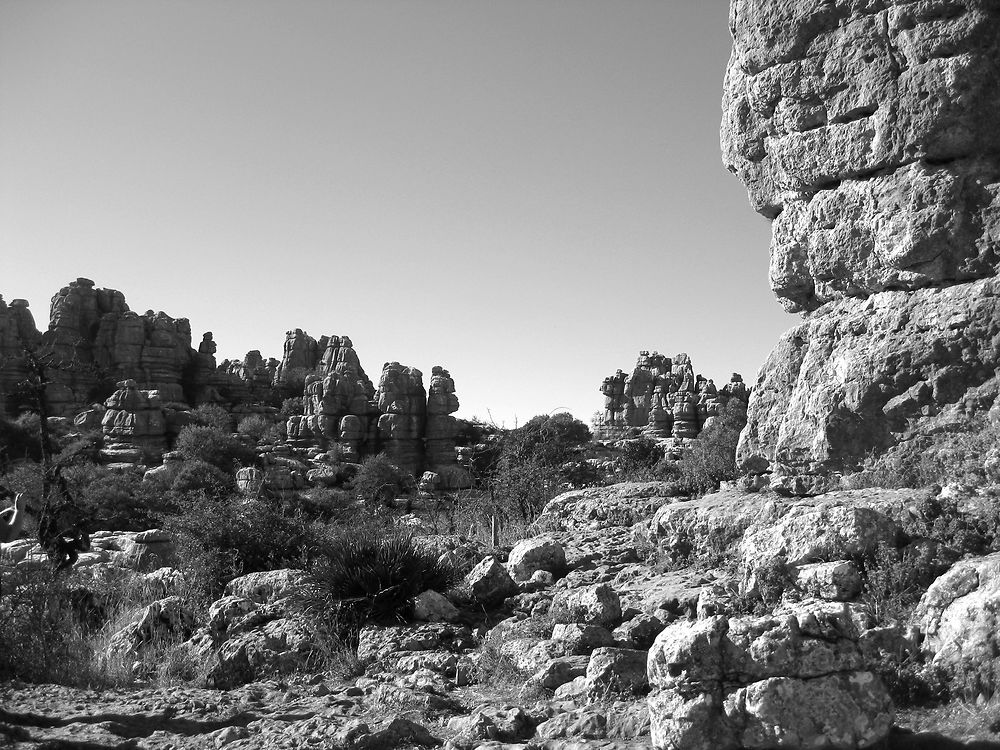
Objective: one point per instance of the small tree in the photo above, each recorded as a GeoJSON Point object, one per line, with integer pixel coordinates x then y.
{"type": "Point", "coordinates": [209, 444]}
{"type": "Point", "coordinates": [213, 415]}
{"type": "Point", "coordinates": [254, 427]}
{"type": "Point", "coordinates": [712, 458]}
{"type": "Point", "coordinates": [380, 481]}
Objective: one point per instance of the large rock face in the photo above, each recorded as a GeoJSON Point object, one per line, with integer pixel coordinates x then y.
{"type": "Point", "coordinates": [857, 378]}
{"type": "Point", "coordinates": [866, 132]}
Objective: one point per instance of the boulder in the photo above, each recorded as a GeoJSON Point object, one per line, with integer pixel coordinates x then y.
{"type": "Point", "coordinates": [430, 606]}
{"type": "Point", "coordinates": [730, 683]}
{"type": "Point", "coordinates": [580, 638]}
{"type": "Point", "coordinates": [591, 605]}
{"type": "Point", "coordinates": [839, 580]}
{"type": "Point", "coordinates": [489, 583]}
{"type": "Point", "coordinates": [561, 670]}
{"type": "Point", "coordinates": [530, 556]}
{"type": "Point", "coordinates": [617, 670]}
{"type": "Point", "coordinates": [957, 618]}
{"type": "Point", "coordinates": [162, 621]}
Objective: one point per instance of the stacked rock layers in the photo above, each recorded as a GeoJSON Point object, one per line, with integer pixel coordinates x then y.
{"type": "Point", "coordinates": [663, 398]}
{"type": "Point", "coordinates": [867, 132]}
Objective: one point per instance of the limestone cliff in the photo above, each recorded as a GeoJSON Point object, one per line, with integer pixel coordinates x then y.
{"type": "Point", "coordinates": [867, 132]}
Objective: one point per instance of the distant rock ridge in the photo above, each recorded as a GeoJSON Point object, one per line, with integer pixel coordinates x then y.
{"type": "Point", "coordinates": [146, 373]}
{"type": "Point", "coordinates": [662, 398]}
{"type": "Point", "coordinates": [867, 133]}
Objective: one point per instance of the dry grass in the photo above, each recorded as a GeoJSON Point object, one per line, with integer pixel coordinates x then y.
{"type": "Point", "coordinates": [58, 628]}
{"type": "Point", "coordinates": [954, 725]}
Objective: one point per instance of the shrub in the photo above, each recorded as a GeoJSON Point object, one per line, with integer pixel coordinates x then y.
{"type": "Point", "coordinates": [291, 407]}
{"type": "Point", "coordinates": [198, 442]}
{"type": "Point", "coordinates": [255, 427]}
{"type": "Point", "coordinates": [52, 630]}
{"type": "Point", "coordinates": [549, 439]}
{"type": "Point", "coordinates": [39, 640]}
{"type": "Point", "coordinates": [328, 504]}
{"type": "Point", "coordinates": [374, 574]}
{"type": "Point", "coordinates": [935, 459]}
{"type": "Point", "coordinates": [712, 458]}
{"type": "Point", "coordinates": [910, 681]}
{"type": "Point", "coordinates": [520, 488]}
{"type": "Point", "coordinates": [380, 481]}
{"type": "Point", "coordinates": [117, 499]}
{"type": "Point", "coordinates": [894, 580]}
{"type": "Point", "coordinates": [18, 441]}
{"type": "Point", "coordinates": [219, 539]}
{"type": "Point", "coordinates": [213, 415]}
{"type": "Point", "coordinates": [200, 476]}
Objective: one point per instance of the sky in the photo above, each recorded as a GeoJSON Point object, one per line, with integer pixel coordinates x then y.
{"type": "Point", "coordinates": [526, 192]}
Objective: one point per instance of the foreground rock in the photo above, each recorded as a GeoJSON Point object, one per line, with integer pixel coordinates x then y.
{"type": "Point", "coordinates": [791, 681]}
{"type": "Point", "coordinates": [957, 618]}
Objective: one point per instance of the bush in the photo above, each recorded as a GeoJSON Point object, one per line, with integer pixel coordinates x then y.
{"type": "Point", "coordinates": [118, 499]}
{"type": "Point", "coordinates": [39, 639]}
{"type": "Point", "coordinates": [52, 630]}
{"type": "Point", "coordinates": [534, 463]}
{"type": "Point", "coordinates": [213, 415]}
{"type": "Point", "coordinates": [219, 539]}
{"type": "Point", "coordinates": [291, 407]}
{"type": "Point", "coordinates": [254, 427]}
{"type": "Point", "coordinates": [519, 489]}
{"type": "Point", "coordinates": [712, 457]}
{"type": "Point", "coordinates": [328, 504]}
{"type": "Point", "coordinates": [208, 444]}
{"type": "Point", "coordinates": [549, 439]}
{"type": "Point", "coordinates": [894, 580]}
{"type": "Point", "coordinates": [18, 441]}
{"type": "Point", "coordinates": [910, 681]}
{"type": "Point", "coordinates": [200, 476]}
{"type": "Point", "coordinates": [380, 481]}
{"type": "Point", "coordinates": [935, 459]}
{"type": "Point", "coordinates": [375, 574]}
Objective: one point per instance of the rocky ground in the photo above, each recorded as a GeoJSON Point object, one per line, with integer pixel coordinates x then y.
{"type": "Point", "coordinates": [624, 623]}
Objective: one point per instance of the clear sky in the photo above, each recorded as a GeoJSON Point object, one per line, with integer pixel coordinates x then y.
{"type": "Point", "coordinates": [527, 192]}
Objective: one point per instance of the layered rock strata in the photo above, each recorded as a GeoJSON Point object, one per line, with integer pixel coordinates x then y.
{"type": "Point", "coordinates": [441, 430]}
{"type": "Point", "coordinates": [866, 132]}
{"type": "Point", "coordinates": [796, 680]}
{"type": "Point", "coordinates": [402, 403]}
{"type": "Point", "coordinates": [662, 398]}
{"type": "Point", "coordinates": [134, 425]}
{"type": "Point", "coordinates": [17, 331]}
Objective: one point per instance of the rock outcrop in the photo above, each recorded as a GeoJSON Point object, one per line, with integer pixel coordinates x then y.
{"type": "Point", "coordinates": [662, 398]}
{"type": "Point", "coordinates": [796, 680]}
{"type": "Point", "coordinates": [866, 133]}
{"type": "Point", "coordinates": [17, 331]}
{"type": "Point", "coordinates": [134, 425]}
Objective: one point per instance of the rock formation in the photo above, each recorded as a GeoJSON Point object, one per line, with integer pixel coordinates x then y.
{"type": "Point", "coordinates": [134, 425]}
{"type": "Point", "coordinates": [440, 432]}
{"type": "Point", "coordinates": [159, 376]}
{"type": "Point", "coordinates": [661, 398]}
{"type": "Point", "coordinates": [17, 330]}
{"type": "Point", "coordinates": [867, 133]}
{"type": "Point", "coordinates": [97, 341]}
{"type": "Point", "coordinates": [402, 403]}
